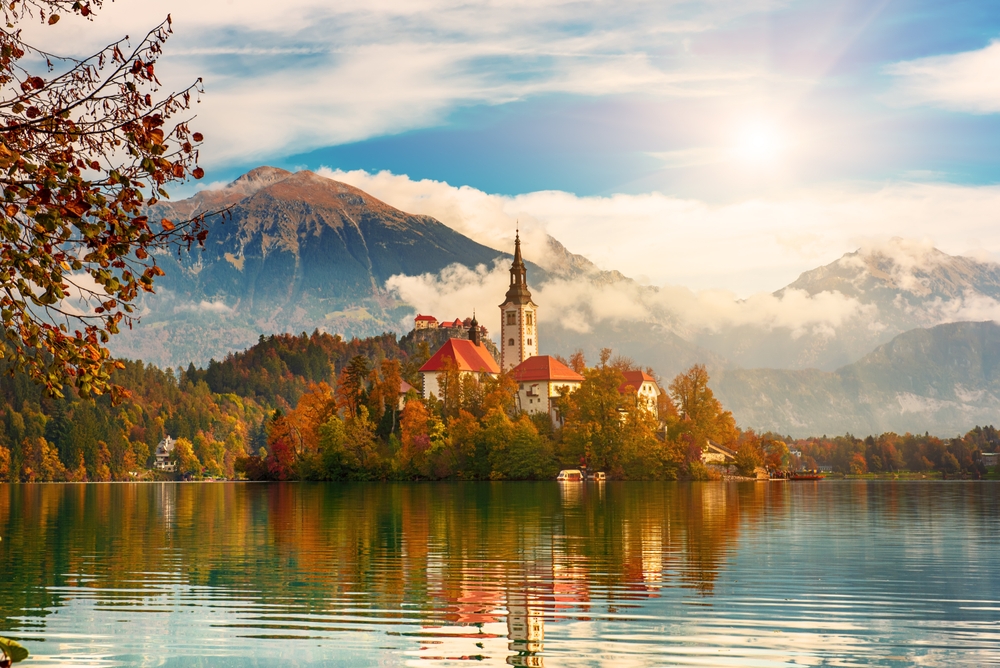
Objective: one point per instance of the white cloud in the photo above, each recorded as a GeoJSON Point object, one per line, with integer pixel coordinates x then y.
{"type": "Point", "coordinates": [968, 81]}
{"type": "Point", "coordinates": [746, 247]}
{"type": "Point", "coordinates": [579, 305]}
{"type": "Point", "coordinates": [317, 74]}
{"type": "Point", "coordinates": [204, 306]}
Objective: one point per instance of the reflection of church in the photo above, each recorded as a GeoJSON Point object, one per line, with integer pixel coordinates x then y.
{"type": "Point", "coordinates": [525, 628]}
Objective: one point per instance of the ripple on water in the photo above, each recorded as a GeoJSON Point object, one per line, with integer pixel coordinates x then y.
{"type": "Point", "coordinates": [836, 574]}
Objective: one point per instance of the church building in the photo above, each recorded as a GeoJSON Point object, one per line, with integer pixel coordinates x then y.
{"type": "Point", "coordinates": [518, 317]}
{"type": "Point", "coordinates": [469, 355]}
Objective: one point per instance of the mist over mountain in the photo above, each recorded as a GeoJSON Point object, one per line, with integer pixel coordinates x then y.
{"type": "Point", "coordinates": [296, 252]}
{"type": "Point", "coordinates": [885, 290]}
{"type": "Point", "coordinates": [300, 252]}
{"type": "Point", "coordinates": [943, 380]}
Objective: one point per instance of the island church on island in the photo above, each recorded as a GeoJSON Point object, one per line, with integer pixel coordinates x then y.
{"type": "Point", "coordinates": [540, 378]}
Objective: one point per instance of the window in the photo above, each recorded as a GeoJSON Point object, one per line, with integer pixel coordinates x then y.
{"type": "Point", "coordinates": [511, 318]}
{"type": "Point", "coordinates": [511, 342]}
{"type": "Point", "coordinates": [529, 342]}
{"type": "Point", "coordinates": [527, 319]}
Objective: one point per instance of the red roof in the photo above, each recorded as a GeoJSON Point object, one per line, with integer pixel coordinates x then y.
{"type": "Point", "coordinates": [425, 318]}
{"type": "Point", "coordinates": [404, 387]}
{"type": "Point", "coordinates": [635, 379]}
{"type": "Point", "coordinates": [469, 356]}
{"type": "Point", "coordinates": [544, 367]}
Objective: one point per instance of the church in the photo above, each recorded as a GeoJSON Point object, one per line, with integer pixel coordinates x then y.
{"type": "Point", "coordinates": [541, 378]}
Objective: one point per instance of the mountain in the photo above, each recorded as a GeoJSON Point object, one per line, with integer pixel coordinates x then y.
{"type": "Point", "coordinates": [296, 252]}
{"type": "Point", "coordinates": [899, 286]}
{"type": "Point", "coordinates": [943, 379]}
{"type": "Point", "coordinates": [300, 252]}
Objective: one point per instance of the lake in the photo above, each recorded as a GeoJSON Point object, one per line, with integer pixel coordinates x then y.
{"type": "Point", "coordinates": [838, 573]}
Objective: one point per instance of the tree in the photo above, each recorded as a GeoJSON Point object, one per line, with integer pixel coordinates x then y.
{"type": "Point", "coordinates": [700, 415]}
{"type": "Point", "coordinates": [351, 385]}
{"type": "Point", "coordinates": [86, 145]}
{"type": "Point", "coordinates": [184, 457]}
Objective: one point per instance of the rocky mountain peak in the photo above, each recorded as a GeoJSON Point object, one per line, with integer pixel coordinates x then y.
{"type": "Point", "coordinates": [901, 267]}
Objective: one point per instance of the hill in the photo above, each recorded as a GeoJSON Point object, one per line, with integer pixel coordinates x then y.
{"type": "Point", "coordinates": [941, 379]}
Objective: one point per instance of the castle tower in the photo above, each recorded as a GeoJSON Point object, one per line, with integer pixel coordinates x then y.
{"type": "Point", "coordinates": [518, 317]}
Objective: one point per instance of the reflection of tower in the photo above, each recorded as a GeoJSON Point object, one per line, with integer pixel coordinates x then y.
{"type": "Point", "coordinates": [525, 629]}
{"type": "Point", "coordinates": [518, 317]}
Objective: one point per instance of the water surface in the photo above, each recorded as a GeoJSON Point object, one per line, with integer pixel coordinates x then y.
{"type": "Point", "coordinates": [525, 574]}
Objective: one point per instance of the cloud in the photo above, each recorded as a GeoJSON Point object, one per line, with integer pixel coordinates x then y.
{"type": "Point", "coordinates": [968, 81]}
{"type": "Point", "coordinates": [750, 246]}
{"type": "Point", "coordinates": [203, 306]}
{"type": "Point", "coordinates": [580, 305]}
{"type": "Point", "coordinates": [318, 73]}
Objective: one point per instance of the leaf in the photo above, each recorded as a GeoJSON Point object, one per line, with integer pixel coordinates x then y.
{"type": "Point", "coordinates": [14, 650]}
{"type": "Point", "coordinates": [11, 210]}
{"type": "Point", "coordinates": [54, 19]}
{"type": "Point", "coordinates": [197, 136]}
{"type": "Point", "coordinates": [198, 172]}
{"type": "Point", "coordinates": [167, 225]}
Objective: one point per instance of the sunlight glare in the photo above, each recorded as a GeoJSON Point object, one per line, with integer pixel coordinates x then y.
{"type": "Point", "coordinates": [759, 144]}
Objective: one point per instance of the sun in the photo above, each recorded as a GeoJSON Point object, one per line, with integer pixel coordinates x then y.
{"type": "Point", "coordinates": [759, 144]}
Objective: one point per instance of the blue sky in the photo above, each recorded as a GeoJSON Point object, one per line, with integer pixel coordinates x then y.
{"type": "Point", "coordinates": [760, 137]}
{"type": "Point", "coordinates": [592, 145]}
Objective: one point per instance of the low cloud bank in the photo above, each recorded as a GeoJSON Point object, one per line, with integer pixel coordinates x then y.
{"type": "Point", "coordinates": [579, 305]}
{"type": "Point", "coordinates": [743, 247]}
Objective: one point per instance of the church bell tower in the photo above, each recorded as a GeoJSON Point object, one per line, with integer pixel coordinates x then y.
{"type": "Point", "coordinates": [518, 317]}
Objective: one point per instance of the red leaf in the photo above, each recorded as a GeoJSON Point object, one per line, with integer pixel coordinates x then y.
{"type": "Point", "coordinates": [167, 225]}
{"type": "Point", "coordinates": [198, 172]}
{"type": "Point", "coordinates": [197, 136]}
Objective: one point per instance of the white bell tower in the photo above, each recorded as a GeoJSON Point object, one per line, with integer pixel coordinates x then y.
{"type": "Point", "coordinates": [518, 317]}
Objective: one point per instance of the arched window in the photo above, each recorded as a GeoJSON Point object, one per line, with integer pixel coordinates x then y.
{"type": "Point", "coordinates": [511, 342]}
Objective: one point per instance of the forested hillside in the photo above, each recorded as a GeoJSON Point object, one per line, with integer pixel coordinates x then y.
{"type": "Point", "coordinates": [324, 408]}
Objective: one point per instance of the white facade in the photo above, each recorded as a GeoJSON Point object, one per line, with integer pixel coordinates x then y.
{"type": "Point", "coordinates": [518, 317]}
{"type": "Point", "coordinates": [518, 334]}
{"type": "Point", "coordinates": [539, 397]}
{"type": "Point", "coordinates": [163, 452]}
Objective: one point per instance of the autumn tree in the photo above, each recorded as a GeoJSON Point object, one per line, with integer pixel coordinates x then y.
{"type": "Point", "coordinates": [700, 416]}
{"type": "Point", "coordinates": [86, 146]}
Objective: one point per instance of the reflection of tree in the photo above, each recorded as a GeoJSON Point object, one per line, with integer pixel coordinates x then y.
{"type": "Point", "coordinates": [459, 553]}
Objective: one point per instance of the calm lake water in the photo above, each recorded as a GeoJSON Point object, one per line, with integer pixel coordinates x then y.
{"type": "Point", "coordinates": [525, 574]}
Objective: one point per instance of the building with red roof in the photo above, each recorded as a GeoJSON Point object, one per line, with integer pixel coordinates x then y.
{"type": "Point", "coordinates": [645, 387]}
{"type": "Point", "coordinates": [470, 355]}
{"type": "Point", "coordinates": [541, 379]}
{"type": "Point", "coordinates": [425, 322]}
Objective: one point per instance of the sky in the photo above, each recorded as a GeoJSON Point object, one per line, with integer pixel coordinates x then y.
{"type": "Point", "coordinates": [718, 144]}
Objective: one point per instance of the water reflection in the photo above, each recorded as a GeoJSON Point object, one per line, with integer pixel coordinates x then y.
{"type": "Point", "coordinates": [524, 574]}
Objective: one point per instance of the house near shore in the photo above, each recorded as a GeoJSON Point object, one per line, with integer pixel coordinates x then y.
{"type": "Point", "coordinates": [541, 380]}
{"type": "Point", "coordinates": [163, 451]}
{"type": "Point", "coordinates": [718, 455]}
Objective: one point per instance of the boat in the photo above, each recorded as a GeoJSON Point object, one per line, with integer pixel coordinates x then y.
{"type": "Point", "coordinates": [597, 476]}
{"type": "Point", "coordinates": [570, 475]}
{"type": "Point", "coordinates": [805, 475]}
